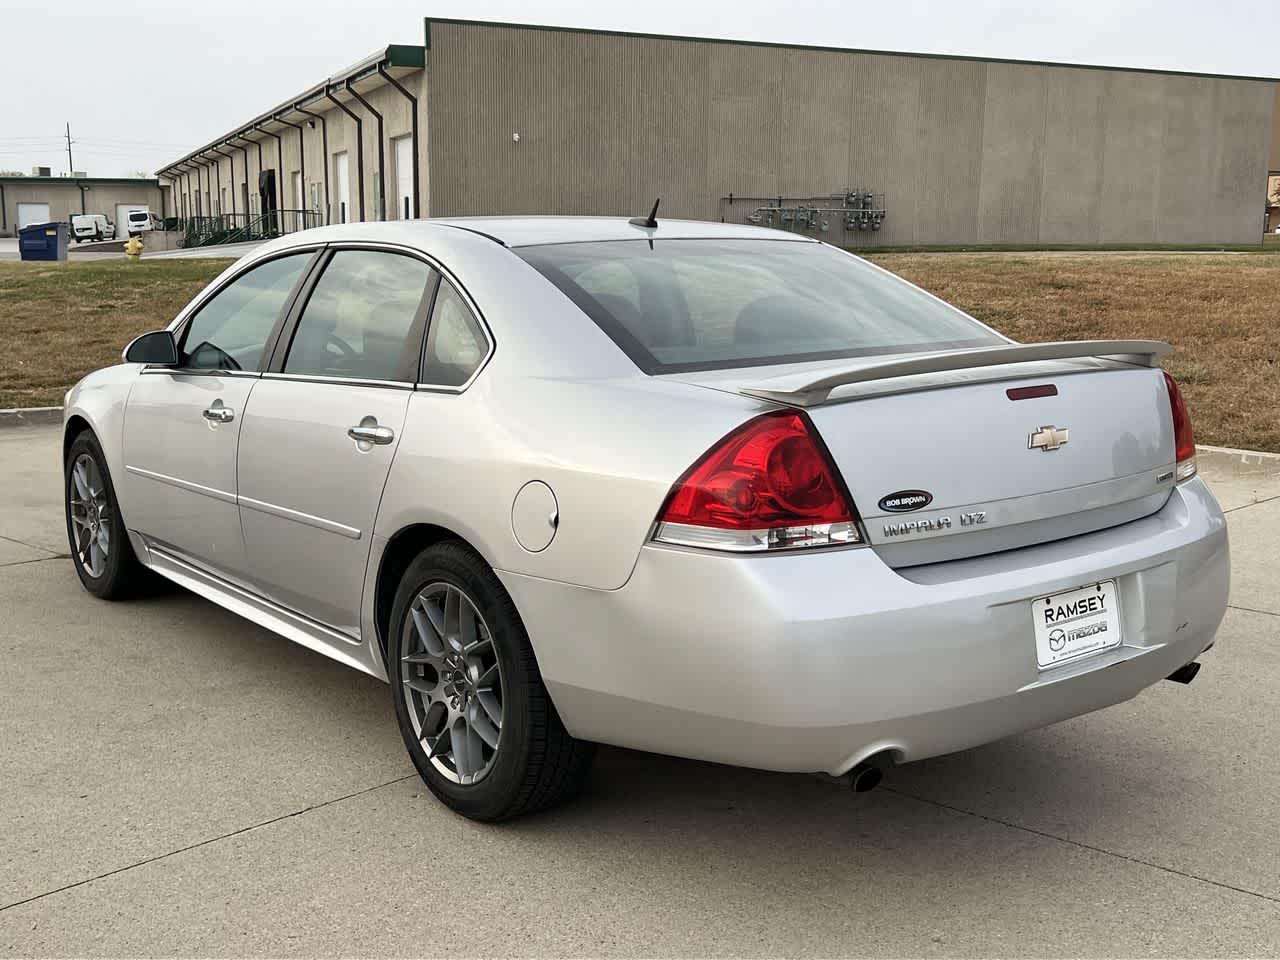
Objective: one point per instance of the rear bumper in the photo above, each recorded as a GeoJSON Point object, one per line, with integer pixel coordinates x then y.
{"type": "Point", "coordinates": [813, 662]}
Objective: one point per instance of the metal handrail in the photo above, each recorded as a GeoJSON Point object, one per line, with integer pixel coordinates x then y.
{"type": "Point", "coordinates": [221, 228]}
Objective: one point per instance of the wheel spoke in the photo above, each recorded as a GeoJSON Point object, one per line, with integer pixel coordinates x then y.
{"type": "Point", "coordinates": [460, 738]}
{"type": "Point", "coordinates": [423, 657]}
{"type": "Point", "coordinates": [81, 480]}
{"type": "Point", "coordinates": [432, 642]}
{"type": "Point", "coordinates": [467, 633]}
{"type": "Point", "coordinates": [485, 682]}
{"type": "Point", "coordinates": [422, 685]}
{"type": "Point", "coordinates": [96, 557]}
{"type": "Point", "coordinates": [452, 618]}
{"type": "Point", "coordinates": [481, 725]}
{"type": "Point", "coordinates": [438, 745]}
{"type": "Point", "coordinates": [491, 706]}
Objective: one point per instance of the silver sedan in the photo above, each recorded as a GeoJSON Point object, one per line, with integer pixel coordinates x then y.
{"type": "Point", "coordinates": [713, 491]}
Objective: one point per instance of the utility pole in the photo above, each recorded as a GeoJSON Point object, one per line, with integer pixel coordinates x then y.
{"type": "Point", "coordinates": [71, 167]}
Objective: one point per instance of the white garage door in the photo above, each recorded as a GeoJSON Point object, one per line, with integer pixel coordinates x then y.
{"type": "Point", "coordinates": [404, 177]}
{"type": "Point", "coordinates": [29, 213]}
{"type": "Point", "coordinates": [342, 191]}
{"type": "Point", "coordinates": [122, 217]}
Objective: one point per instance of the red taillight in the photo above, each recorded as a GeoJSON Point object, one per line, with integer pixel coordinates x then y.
{"type": "Point", "coordinates": [1183, 440]}
{"type": "Point", "coordinates": [768, 485]}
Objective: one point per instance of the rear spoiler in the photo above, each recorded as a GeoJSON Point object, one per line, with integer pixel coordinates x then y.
{"type": "Point", "coordinates": [807, 390]}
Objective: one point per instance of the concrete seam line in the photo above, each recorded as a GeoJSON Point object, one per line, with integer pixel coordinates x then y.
{"type": "Point", "coordinates": [19, 563]}
{"type": "Point", "coordinates": [1255, 503]}
{"type": "Point", "coordinates": [23, 543]}
{"type": "Point", "coordinates": [204, 843]}
{"type": "Point", "coordinates": [1085, 846]}
{"type": "Point", "coordinates": [23, 416]}
{"type": "Point", "coordinates": [1264, 613]}
{"type": "Point", "coordinates": [1237, 451]}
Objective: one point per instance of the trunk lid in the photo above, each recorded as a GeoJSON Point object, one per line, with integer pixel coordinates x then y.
{"type": "Point", "coordinates": [946, 465]}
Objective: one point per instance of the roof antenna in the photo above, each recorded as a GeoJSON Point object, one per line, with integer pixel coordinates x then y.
{"type": "Point", "coordinates": [650, 221]}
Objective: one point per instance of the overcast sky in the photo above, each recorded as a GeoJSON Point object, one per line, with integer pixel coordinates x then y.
{"type": "Point", "coordinates": [142, 81]}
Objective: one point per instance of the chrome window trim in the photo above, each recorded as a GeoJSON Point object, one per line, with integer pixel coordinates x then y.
{"type": "Point", "coordinates": [199, 372]}
{"type": "Point", "coordinates": [342, 381]}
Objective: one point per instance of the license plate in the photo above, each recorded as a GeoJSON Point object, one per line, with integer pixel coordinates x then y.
{"type": "Point", "coordinates": [1075, 624]}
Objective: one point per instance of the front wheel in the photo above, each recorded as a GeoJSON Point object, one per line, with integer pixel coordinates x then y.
{"type": "Point", "coordinates": [469, 699]}
{"type": "Point", "coordinates": [100, 548]}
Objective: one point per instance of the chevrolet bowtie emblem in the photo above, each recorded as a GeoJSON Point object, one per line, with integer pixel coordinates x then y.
{"type": "Point", "coordinates": [1047, 438]}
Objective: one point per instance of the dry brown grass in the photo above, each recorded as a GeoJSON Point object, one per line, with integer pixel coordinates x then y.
{"type": "Point", "coordinates": [58, 321]}
{"type": "Point", "coordinates": [1220, 312]}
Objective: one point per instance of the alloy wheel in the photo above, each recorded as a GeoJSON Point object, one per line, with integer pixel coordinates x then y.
{"type": "Point", "coordinates": [90, 515]}
{"type": "Point", "coordinates": [453, 682]}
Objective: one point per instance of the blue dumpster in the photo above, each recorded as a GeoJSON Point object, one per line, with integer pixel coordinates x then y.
{"type": "Point", "coordinates": [43, 241]}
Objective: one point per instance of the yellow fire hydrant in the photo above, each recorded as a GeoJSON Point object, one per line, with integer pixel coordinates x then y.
{"type": "Point", "coordinates": [133, 247]}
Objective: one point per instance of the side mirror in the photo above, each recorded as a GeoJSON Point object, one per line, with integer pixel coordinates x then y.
{"type": "Point", "coordinates": [156, 347]}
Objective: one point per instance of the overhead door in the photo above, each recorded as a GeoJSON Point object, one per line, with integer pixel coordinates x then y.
{"type": "Point", "coordinates": [122, 217]}
{"type": "Point", "coordinates": [342, 193]}
{"type": "Point", "coordinates": [29, 213]}
{"type": "Point", "coordinates": [404, 177]}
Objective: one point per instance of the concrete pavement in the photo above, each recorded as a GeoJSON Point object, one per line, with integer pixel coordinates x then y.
{"type": "Point", "coordinates": [178, 781]}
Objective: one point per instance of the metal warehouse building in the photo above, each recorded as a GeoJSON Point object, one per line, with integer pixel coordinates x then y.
{"type": "Point", "coordinates": [42, 198]}
{"type": "Point", "coordinates": [861, 147]}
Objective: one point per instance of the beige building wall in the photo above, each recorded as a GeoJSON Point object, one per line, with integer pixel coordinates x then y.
{"type": "Point", "coordinates": [62, 194]}
{"type": "Point", "coordinates": [1275, 135]}
{"type": "Point", "coordinates": [965, 151]}
{"type": "Point", "coordinates": [333, 133]}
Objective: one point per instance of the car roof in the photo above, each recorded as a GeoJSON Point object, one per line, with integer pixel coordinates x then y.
{"type": "Point", "coordinates": [527, 231]}
{"type": "Point", "coordinates": [531, 231]}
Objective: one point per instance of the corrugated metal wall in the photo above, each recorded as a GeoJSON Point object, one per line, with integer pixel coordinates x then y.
{"type": "Point", "coordinates": [965, 151]}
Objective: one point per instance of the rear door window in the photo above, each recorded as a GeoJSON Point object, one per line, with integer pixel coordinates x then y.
{"type": "Point", "coordinates": [364, 319]}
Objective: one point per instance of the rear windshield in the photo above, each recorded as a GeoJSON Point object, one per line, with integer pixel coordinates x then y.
{"type": "Point", "coordinates": [711, 304]}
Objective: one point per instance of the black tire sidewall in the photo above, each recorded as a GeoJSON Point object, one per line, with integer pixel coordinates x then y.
{"type": "Point", "coordinates": [494, 795]}
{"type": "Point", "coordinates": [111, 583]}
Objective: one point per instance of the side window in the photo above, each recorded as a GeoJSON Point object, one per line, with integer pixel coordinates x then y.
{"type": "Point", "coordinates": [455, 343]}
{"type": "Point", "coordinates": [231, 330]}
{"type": "Point", "coordinates": [364, 318]}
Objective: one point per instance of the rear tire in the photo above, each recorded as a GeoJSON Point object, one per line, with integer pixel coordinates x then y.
{"type": "Point", "coordinates": [100, 547]}
{"type": "Point", "coordinates": [469, 698]}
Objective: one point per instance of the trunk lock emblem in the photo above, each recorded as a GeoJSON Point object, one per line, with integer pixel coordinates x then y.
{"type": "Point", "coordinates": [1047, 438]}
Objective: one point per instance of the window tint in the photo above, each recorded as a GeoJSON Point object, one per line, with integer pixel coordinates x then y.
{"type": "Point", "coordinates": [363, 319]}
{"type": "Point", "coordinates": [230, 331]}
{"type": "Point", "coordinates": [455, 343]}
{"type": "Point", "coordinates": [703, 304]}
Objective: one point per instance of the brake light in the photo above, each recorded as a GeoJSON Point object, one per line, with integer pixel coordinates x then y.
{"type": "Point", "coordinates": [1183, 440]}
{"type": "Point", "coordinates": [768, 485]}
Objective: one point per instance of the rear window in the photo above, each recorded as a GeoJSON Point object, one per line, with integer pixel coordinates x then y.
{"type": "Point", "coordinates": [711, 304]}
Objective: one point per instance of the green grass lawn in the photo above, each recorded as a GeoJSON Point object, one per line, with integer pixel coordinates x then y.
{"type": "Point", "coordinates": [58, 321]}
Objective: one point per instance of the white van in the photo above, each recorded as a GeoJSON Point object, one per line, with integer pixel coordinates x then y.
{"type": "Point", "coordinates": [140, 221]}
{"type": "Point", "coordinates": [91, 226]}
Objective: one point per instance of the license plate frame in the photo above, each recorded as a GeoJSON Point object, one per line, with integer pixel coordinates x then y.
{"type": "Point", "coordinates": [1075, 624]}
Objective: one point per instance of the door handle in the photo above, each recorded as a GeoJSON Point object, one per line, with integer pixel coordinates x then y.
{"type": "Point", "coordinates": [218, 413]}
{"type": "Point", "coordinates": [371, 433]}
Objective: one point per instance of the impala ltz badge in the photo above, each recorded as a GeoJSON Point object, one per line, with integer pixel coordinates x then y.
{"type": "Point", "coordinates": [1047, 438]}
{"type": "Point", "coordinates": [904, 501]}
